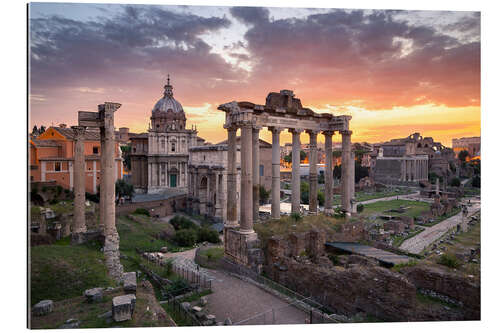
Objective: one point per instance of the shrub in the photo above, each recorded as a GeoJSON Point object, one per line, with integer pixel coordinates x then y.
{"type": "Point", "coordinates": [54, 201]}
{"type": "Point", "coordinates": [92, 197]}
{"type": "Point", "coordinates": [321, 198]}
{"type": "Point", "coordinates": [360, 208]}
{"type": "Point", "coordinates": [455, 182]}
{"type": "Point", "coordinates": [44, 189]}
{"type": "Point", "coordinates": [449, 260]}
{"type": "Point", "coordinates": [296, 216]}
{"type": "Point", "coordinates": [142, 211]}
{"type": "Point", "coordinates": [263, 194]}
{"type": "Point", "coordinates": [206, 234]}
{"type": "Point", "coordinates": [178, 287]}
{"type": "Point", "coordinates": [181, 222]}
{"type": "Point", "coordinates": [186, 237]}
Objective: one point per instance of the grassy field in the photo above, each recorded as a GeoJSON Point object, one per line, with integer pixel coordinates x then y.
{"type": "Point", "coordinates": [61, 270]}
{"type": "Point", "coordinates": [414, 208]}
{"type": "Point", "coordinates": [370, 195]}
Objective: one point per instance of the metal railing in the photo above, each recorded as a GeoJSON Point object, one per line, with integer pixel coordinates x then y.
{"type": "Point", "coordinates": [193, 277]}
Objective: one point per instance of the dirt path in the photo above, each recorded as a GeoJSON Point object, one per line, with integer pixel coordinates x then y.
{"type": "Point", "coordinates": [418, 243]}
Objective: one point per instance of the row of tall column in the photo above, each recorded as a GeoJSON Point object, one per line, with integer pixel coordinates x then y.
{"type": "Point", "coordinates": [414, 169]}
{"type": "Point", "coordinates": [249, 193]}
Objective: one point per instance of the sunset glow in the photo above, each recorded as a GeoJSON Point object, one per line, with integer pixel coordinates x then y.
{"type": "Point", "coordinates": [395, 72]}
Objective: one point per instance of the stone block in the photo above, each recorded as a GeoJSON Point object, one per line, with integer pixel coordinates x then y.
{"type": "Point", "coordinates": [70, 323]}
{"type": "Point", "coordinates": [123, 307]}
{"type": "Point", "coordinates": [130, 282]}
{"type": "Point", "coordinates": [43, 308]}
{"type": "Point", "coordinates": [196, 308]}
{"type": "Point", "coordinates": [203, 301]}
{"type": "Point", "coordinates": [186, 306]}
{"type": "Point", "coordinates": [93, 295]}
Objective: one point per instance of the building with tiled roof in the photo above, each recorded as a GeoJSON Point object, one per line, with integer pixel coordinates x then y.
{"type": "Point", "coordinates": [51, 156]}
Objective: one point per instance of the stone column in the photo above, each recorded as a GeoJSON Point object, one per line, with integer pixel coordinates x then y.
{"type": "Point", "coordinates": [313, 172]}
{"type": "Point", "coordinates": [275, 187]}
{"type": "Point", "coordinates": [79, 186]}
{"type": "Point", "coordinates": [255, 171]}
{"type": "Point", "coordinates": [246, 195]}
{"type": "Point", "coordinates": [328, 173]}
{"type": "Point", "coordinates": [102, 189]}
{"type": "Point", "coordinates": [112, 239]}
{"type": "Point", "coordinates": [295, 170]}
{"type": "Point", "coordinates": [232, 217]}
{"type": "Point", "coordinates": [352, 180]}
{"type": "Point", "coordinates": [346, 172]}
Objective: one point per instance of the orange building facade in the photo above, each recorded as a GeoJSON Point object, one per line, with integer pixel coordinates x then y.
{"type": "Point", "coordinates": [51, 157]}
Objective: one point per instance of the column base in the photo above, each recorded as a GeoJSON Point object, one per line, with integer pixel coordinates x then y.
{"type": "Point", "coordinates": [243, 248]}
{"type": "Point", "coordinates": [328, 211]}
{"type": "Point", "coordinates": [78, 238]}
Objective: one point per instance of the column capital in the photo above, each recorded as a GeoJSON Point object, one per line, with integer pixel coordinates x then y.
{"type": "Point", "coordinates": [313, 132]}
{"type": "Point", "coordinates": [256, 128]}
{"type": "Point", "coordinates": [231, 127]}
{"type": "Point", "coordinates": [328, 133]}
{"type": "Point", "coordinates": [78, 131]}
{"type": "Point", "coordinates": [275, 129]}
{"type": "Point", "coordinates": [346, 132]}
{"type": "Point", "coordinates": [295, 130]}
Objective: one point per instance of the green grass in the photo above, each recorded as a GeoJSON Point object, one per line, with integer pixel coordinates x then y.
{"type": "Point", "coordinates": [439, 219]}
{"type": "Point", "coordinates": [410, 263]}
{"type": "Point", "coordinates": [195, 296]}
{"type": "Point", "coordinates": [213, 253]}
{"type": "Point", "coordinates": [415, 208]}
{"type": "Point", "coordinates": [64, 271]}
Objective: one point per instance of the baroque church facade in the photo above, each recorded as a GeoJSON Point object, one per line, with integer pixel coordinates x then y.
{"type": "Point", "coordinates": [159, 158]}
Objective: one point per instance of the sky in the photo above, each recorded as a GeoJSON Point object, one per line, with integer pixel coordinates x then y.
{"type": "Point", "coordinates": [394, 72]}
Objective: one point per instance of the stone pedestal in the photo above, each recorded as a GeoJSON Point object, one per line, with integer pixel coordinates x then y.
{"type": "Point", "coordinates": [243, 248]}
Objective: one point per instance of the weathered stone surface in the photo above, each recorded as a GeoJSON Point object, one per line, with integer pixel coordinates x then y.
{"type": "Point", "coordinates": [93, 295]}
{"type": "Point", "coordinates": [43, 307]}
{"type": "Point", "coordinates": [196, 308]}
{"type": "Point", "coordinates": [123, 307]}
{"type": "Point", "coordinates": [130, 282]}
{"type": "Point", "coordinates": [203, 301]}
{"type": "Point", "coordinates": [455, 286]}
{"type": "Point", "coordinates": [228, 322]}
{"type": "Point", "coordinates": [164, 249]}
{"type": "Point", "coordinates": [70, 323]}
{"type": "Point", "coordinates": [186, 306]}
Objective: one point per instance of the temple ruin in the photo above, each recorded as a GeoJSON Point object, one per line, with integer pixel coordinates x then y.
{"type": "Point", "coordinates": [282, 111]}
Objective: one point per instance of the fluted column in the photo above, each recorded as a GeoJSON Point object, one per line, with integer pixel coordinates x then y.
{"type": "Point", "coordinates": [255, 171]}
{"type": "Point", "coordinates": [313, 172]}
{"type": "Point", "coordinates": [79, 183]}
{"type": "Point", "coordinates": [328, 173]}
{"type": "Point", "coordinates": [102, 190]}
{"type": "Point", "coordinates": [352, 180]}
{"type": "Point", "coordinates": [403, 170]}
{"type": "Point", "coordinates": [246, 195]}
{"type": "Point", "coordinates": [295, 170]}
{"type": "Point", "coordinates": [232, 217]}
{"type": "Point", "coordinates": [275, 186]}
{"type": "Point", "coordinates": [346, 171]}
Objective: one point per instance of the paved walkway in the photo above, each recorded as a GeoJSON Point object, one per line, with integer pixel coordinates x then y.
{"type": "Point", "coordinates": [240, 300]}
{"type": "Point", "coordinates": [419, 242]}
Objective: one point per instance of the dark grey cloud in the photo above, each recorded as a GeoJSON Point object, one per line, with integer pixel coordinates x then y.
{"type": "Point", "coordinates": [120, 45]}
{"type": "Point", "coordinates": [250, 15]}
{"type": "Point", "coordinates": [368, 55]}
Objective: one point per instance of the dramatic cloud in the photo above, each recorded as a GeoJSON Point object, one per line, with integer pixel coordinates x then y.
{"type": "Point", "coordinates": [392, 62]}
{"type": "Point", "coordinates": [343, 56]}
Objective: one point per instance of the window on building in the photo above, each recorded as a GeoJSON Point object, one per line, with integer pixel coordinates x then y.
{"type": "Point", "coordinates": [162, 142]}
{"type": "Point", "coordinates": [261, 170]}
{"type": "Point", "coordinates": [173, 146]}
{"type": "Point", "coordinates": [57, 166]}
{"type": "Point", "coordinates": [95, 150]}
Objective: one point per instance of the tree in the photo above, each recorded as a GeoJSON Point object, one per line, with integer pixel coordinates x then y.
{"type": "Point", "coordinates": [476, 181]}
{"type": "Point", "coordinates": [360, 172]}
{"type": "Point", "coordinates": [42, 129]}
{"type": "Point", "coordinates": [462, 155]}
{"type": "Point", "coordinates": [303, 155]}
{"type": "Point", "coordinates": [35, 130]}
{"type": "Point", "coordinates": [288, 158]}
{"type": "Point", "coordinates": [337, 171]}
{"type": "Point", "coordinates": [123, 189]}
{"type": "Point", "coordinates": [321, 198]}
{"type": "Point", "coordinates": [263, 194]}
{"type": "Point", "coordinates": [455, 182]}
{"type": "Point", "coordinates": [126, 156]}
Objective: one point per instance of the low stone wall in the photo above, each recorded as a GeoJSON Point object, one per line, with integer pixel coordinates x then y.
{"type": "Point", "coordinates": [454, 286]}
{"type": "Point", "coordinates": [161, 208]}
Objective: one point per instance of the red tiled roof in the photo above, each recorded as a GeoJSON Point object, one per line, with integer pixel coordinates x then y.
{"type": "Point", "coordinates": [90, 134]}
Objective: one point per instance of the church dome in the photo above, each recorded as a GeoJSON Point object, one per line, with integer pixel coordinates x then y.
{"type": "Point", "coordinates": [168, 103]}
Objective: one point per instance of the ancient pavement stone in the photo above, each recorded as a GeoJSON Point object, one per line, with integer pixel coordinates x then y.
{"type": "Point", "coordinates": [93, 295]}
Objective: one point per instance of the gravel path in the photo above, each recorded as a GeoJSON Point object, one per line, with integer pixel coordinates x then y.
{"type": "Point", "coordinates": [418, 243]}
